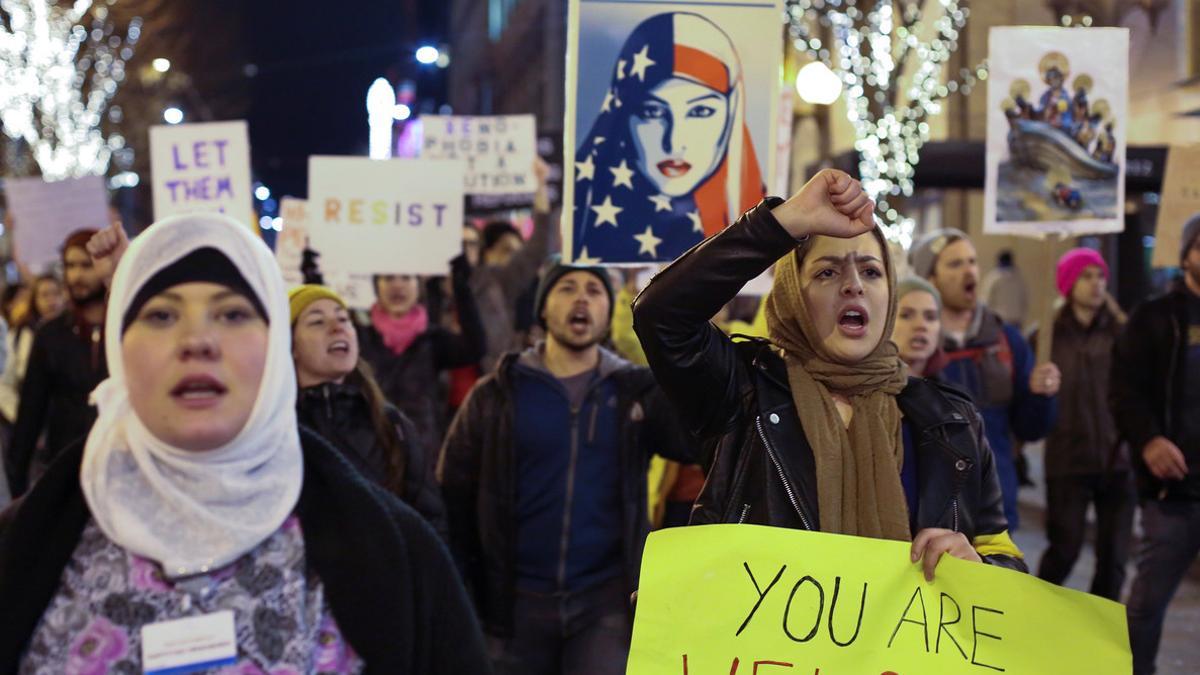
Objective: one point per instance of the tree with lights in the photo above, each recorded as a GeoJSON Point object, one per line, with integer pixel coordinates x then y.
{"type": "Point", "coordinates": [57, 78]}
{"type": "Point", "coordinates": [876, 44]}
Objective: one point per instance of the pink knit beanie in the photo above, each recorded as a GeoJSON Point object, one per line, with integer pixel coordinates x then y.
{"type": "Point", "coordinates": [1073, 263]}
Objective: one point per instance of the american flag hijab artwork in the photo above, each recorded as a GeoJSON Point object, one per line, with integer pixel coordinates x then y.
{"type": "Point", "coordinates": [669, 160]}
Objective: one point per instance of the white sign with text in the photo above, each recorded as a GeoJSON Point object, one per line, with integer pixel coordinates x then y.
{"type": "Point", "coordinates": [355, 289]}
{"type": "Point", "coordinates": [498, 151]}
{"type": "Point", "coordinates": [202, 167]}
{"type": "Point", "coordinates": [43, 214]}
{"type": "Point", "coordinates": [394, 216]}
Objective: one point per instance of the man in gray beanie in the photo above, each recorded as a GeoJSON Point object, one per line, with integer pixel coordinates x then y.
{"type": "Point", "coordinates": [985, 356]}
{"type": "Point", "coordinates": [1155, 396]}
{"type": "Point", "coordinates": [544, 475]}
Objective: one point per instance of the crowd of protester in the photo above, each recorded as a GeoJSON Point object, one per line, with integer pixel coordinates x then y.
{"type": "Point", "coordinates": [462, 477]}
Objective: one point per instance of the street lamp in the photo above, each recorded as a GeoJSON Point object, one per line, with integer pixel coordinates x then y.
{"type": "Point", "coordinates": [381, 110]}
{"type": "Point", "coordinates": [427, 54]}
{"type": "Point", "coordinates": [816, 83]}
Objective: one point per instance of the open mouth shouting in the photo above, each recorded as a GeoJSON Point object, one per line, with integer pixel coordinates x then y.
{"type": "Point", "coordinates": [579, 321]}
{"type": "Point", "coordinates": [919, 343]}
{"type": "Point", "coordinates": [853, 320]}
{"type": "Point", "coordinates": [338, 347]}
{"type": "Point", "coordinates": [673, 168]}
{"type": "Point", "coordinates": [199, 392]}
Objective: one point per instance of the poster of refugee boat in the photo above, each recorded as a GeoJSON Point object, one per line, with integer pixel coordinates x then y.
{"type": "Point", "coordinates": [1056, 131]}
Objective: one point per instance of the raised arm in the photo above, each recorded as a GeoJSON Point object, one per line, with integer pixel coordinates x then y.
{"type": "Point", "coordinates": [694, 362]}
{"type": "Point", "coordinates": [454, 350]}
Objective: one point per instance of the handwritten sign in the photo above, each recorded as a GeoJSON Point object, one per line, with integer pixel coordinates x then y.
{"type": "Point", "coordinates": [45, 213]}
{"type": "Point", "coordinates": [397, 216]}
{"type": "Point", "coordinates": [1180, 202]}
{"type": "Point", "coordinates": [747, 599]}
{"type": "Point", "coordinates": [499, 151]}
{"type": "Point", "coordinates": [202, 167]}
{"type": "Point", "coordinates": [356, 289]}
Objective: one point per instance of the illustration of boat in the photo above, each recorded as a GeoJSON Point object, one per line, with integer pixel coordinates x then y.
{"type": "Point", "coordinates": [1040, 145]}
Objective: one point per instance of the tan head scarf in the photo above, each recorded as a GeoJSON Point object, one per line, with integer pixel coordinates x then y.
{"type": "Point", "coordinates": [858, 468]}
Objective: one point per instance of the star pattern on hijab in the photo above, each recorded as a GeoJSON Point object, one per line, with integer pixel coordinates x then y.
{"type": "Point", "coordinates": [585, 170]}
{"type": "Point", "coordinates": [641, 61]}
{"type": "Point", "coordinates": [661, 203]}
{"type": "Point", "coordinates": [649, 243]}
{"type": "Point", "coordinates": [606, 212]}
{"type": "Point", "coordinates": [622, 175]}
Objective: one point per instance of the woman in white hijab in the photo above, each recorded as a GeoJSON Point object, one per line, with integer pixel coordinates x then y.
{"type": "Point", "coordinates": [197, 497]}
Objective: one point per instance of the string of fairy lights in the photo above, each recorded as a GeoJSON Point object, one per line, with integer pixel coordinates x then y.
{"type": "Point", "coordinates": [57, 78]}
{"type": "Point", "coordinates": [870, 53]}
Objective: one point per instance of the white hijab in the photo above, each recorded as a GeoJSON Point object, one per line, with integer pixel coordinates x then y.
{"type": "Point", "coordinates": [195, 511]}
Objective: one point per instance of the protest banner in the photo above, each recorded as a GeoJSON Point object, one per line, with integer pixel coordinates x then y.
{"type": "Point", "coordinates": [1178, 203]}
{"type": "Point", "coordinates": [748, 599]}
{"type": "Point", "coordinates": [292, 239]}
{"type": "Point", "coordinates": [671, 121]}
{"type": "Point", "coordinates": [1056, 128]}
{"type": "Point", "coordinates": [355, 289]}
{"type": "Point", "coordinates": [202, 167]}
{"type": "Point", "coordinates": [498, 151]}
{"type": "Point", "coordinates": [43, 214]}
{"type": "Point", "coordinates": [395, 216]}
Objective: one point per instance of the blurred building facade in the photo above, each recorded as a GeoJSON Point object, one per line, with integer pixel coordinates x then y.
{"type": "Point", "coordinates": [508, 58]}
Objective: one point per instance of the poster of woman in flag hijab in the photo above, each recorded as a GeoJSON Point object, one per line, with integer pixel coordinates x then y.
{"type": "Point", "coordinates": [671, 118]}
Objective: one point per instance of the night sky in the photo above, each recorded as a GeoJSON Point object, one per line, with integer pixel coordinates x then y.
{"type": "Point", "coordinates": [315, 61]}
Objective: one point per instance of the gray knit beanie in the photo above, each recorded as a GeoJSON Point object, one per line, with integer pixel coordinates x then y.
{"type": "Point", "coordinates": [1191, 230]}
{"type": "Point", "coordinates": [912, 283]}
{"type": "Point", "coordinates": [924, 254]}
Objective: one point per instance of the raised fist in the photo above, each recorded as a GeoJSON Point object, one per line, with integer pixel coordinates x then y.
{"type": "Point", "coordinates": [831, 204]}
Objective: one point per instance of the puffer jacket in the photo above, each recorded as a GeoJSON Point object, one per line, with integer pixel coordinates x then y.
{"type": "Point", "coordinates": [341, 414]}
{"type": "Point", "coordinates": [410, 380]}
{"type": "Point", "coordinates": [737, 396]}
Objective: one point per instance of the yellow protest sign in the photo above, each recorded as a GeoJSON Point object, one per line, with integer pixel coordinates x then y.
{"type": "Point", "coordinates": [753, 600]}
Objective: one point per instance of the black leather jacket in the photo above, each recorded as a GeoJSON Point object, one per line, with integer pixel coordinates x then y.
{"type": "Point", "coordinates": [737, 395]}
{"type": "Point", "coordinates": [340, 414]}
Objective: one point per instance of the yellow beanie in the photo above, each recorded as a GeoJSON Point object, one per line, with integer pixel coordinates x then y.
{"type": "Point", "coordinates": [301, 297]}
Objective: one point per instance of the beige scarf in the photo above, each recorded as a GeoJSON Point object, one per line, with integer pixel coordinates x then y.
{"type": "Point", "coordinates": [858, 468]}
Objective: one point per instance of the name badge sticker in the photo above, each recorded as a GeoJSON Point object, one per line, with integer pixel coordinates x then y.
{"type": "Point", "coordinates": [189, 645]}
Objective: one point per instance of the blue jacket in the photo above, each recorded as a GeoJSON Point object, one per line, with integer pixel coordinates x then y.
{"type": "Point", "coordinates": [993, 366]}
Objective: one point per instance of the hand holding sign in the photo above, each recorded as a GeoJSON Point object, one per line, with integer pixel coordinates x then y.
{"type": "Point", "coordinates": [106, 248]}
{"type": "Point", "coordinates": [831, 204]}
{"type": "Point", "coordinates": [932, 542]}
{"type": "Point", "coordinates": [541, 198]}
{"type": "Point", "coordinates": [746, 599]}
{"type": "Point", "coordinates": [1045, 380]}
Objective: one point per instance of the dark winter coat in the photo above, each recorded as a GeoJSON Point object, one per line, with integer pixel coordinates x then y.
{"type": "Point", "coordinates": [389, 582]}
{"type": "Point", "coordinates": [737, 394]}
{"type": "Point", "coordinates": [477, 470]}
{"type": "Point", "coordinates": [65, 364]}
{"type": "Point", "coordinates": [1084, 440]}
{"type": "Point", "coordinates": [341, 414]}
{"type": "Point", "coordinates": [410, 380]}
{"type": "Point", "coordinates": [1147, 381]}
